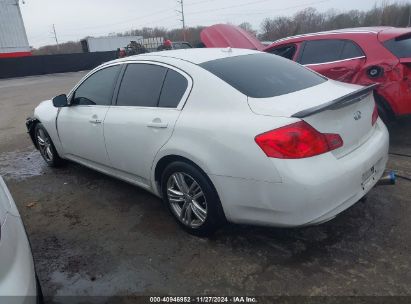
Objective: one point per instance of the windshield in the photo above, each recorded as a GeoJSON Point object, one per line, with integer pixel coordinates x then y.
{"type": "Point", "coordinates": [400, 46]}
{"type": "Point", "coordinates": [263, 75]}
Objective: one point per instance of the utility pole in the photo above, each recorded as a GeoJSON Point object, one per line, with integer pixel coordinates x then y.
{"type": "Point", "coordinates": [55, 37]}
{"type": "Point", "coordinates": [181, 2]}
{"type": "Point", "coordinates": [409, 16]}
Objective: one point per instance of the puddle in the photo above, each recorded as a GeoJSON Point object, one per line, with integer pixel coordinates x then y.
{"type": "Point", "coordinates": [21, 164]}
{"type": "Point", "coordinates": [122, 281]}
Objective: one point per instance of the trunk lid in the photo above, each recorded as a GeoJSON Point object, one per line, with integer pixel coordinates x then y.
{"type": "Point", "coordinates": [331, 107]}
{"type": "Point", "coordinates": [226, 35]}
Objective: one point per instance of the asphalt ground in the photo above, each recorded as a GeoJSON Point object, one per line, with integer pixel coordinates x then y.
{"type": "Point", "coordinates": [94, 235]}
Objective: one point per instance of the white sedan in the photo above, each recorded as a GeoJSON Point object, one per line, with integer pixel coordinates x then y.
{"type": "Point", "coordinates": [221, 134]}
{"type": "Point", "coordinates": [17, 275]}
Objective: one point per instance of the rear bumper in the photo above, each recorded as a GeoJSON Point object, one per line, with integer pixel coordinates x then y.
{"type": "Point", "coordinates": [312, 190]}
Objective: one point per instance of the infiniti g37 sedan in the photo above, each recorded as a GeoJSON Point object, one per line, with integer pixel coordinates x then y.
{"type": "Point", "coordinates": [221, 134]}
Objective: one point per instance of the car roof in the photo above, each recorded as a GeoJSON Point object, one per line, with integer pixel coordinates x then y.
{"type": "Point", "coordinates": [196, 56]}
{"type": "Point", "coordinates": [357, 30]}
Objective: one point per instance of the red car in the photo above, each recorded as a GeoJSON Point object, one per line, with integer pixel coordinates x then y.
{"type": "Point", "coordinates": [360, 55]}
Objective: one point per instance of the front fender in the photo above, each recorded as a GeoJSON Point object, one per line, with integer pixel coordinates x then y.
{"type": "Point", "coordinates": [47, 114]}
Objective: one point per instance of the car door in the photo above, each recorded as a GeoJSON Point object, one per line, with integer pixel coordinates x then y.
{"type": "Point", "coordinates": [149, 100]}
{"type": "Point", "coordinates": [80, 126]}
{"type": "Point", "coordinates": [337, 59]}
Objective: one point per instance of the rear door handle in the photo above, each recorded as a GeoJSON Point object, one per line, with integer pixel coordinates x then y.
{"type": "Point", "coordinates": [160, 125]}
{"type": "Point", "coordinates": [339, 69]}
{"type": "Point", "coordinates": [95, 121]}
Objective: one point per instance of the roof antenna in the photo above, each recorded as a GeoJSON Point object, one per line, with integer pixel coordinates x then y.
{"type": "Point", "coordinates": [228, 49]}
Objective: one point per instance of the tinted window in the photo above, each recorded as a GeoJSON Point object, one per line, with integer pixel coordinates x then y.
{"type": "Point", "coordinates": [263, 75]}
{"type": "Point", "coordinates": [320, 51]}
{"type": "Point", "coordinates": [174, 88]}
{"type": "Point", "coordinates": [181, 45]}
{"type": "Point", "coordinates": [141, 85]}
{"type": "Point", "coordinates": [351, 50]}
{"type": "Point", "coordinates": [285, 51]}
{"type": "Point", "coordinates": [98, 88]}
{"type": "Point", "coordinates": [400, 46]}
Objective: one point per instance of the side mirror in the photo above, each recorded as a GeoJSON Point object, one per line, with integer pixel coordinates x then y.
{"type": "Point", "coordinates": [60, 101]}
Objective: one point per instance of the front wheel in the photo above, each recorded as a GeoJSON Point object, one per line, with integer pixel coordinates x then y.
{"type": "Point", "coordinates": [46, 146]}
{"type": "Point", "coordinates": [192, 199]}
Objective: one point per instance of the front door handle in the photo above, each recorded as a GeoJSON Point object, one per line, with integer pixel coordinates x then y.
{"type": "Point", "coordinates": [94, 120]}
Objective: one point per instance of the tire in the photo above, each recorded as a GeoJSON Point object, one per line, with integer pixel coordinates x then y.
{"type": "Point", "coordinates": [46, 146]}
{"type": "Point", "coordinates": [382, 113]}
{"type": "Point", "coordinates": [191, 199]}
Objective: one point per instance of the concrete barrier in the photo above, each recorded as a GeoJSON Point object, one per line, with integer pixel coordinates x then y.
{"type": "Point", "coordinates": [49, 64]}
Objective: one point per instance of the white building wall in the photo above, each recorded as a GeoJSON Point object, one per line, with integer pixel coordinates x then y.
{"type": "Point", "coordinates": [110, 43]}
{"type": "Point", "coordinates": [13, 36]}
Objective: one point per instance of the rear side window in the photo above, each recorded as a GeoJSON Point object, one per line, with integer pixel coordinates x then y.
{"type": "Point", "coordinates": [173, 90]}
{"type": "Point", "coordinates": [400, 46]}
{"type": "Point", "coordinates": [351, 50]}
{"type": "Point", "coordinates": [141, 85]}
{"type": "Point", "coordinates": [320, 51]}
{"type": "Point", "coordinates": [284, 51]}
{"type": "Point", "coordinates": [263, 75]}
{"type": "Point", "coordinates": [98, 88]}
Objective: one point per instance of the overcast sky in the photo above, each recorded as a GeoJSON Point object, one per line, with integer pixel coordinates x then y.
{"type": "Point", "coordinates": [75, 19]}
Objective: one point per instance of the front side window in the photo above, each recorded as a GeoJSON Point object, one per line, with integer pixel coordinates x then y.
{"type": "Point", "coordinates": [284, 51]}
{"type": "Point", "coordinates": [263, 75]}
{"type": "Point", "coordinates": [98, 88]}
{"type": "Point", "coordinates": [141, 85]}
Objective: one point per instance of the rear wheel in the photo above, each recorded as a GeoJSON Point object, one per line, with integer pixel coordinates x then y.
{"type": "Point", "coordinates": [384, 110]}
{"type": "Point", "coordinates": [382, 113]}
{"type": "Point", "coordinates": [46, 146]}
{"type": "Point", "coordinates": [192, 199]}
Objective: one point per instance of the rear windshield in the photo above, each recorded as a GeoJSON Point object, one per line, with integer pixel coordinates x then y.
{"type": "Point", "coordinates": [263, 75]}
{"type": "Point", "coordinates": [400, 46]}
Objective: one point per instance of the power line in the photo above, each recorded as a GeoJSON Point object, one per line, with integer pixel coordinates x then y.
{"type": "Point", "coordinates": [277, 10]}
{"type": "Point", "coordinates": [228, 7]}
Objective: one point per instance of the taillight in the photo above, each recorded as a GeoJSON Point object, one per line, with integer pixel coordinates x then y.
{"type": "Point", "coordinates": [374, 115]}
{"type": "Point", "coordinates": [297, 140]}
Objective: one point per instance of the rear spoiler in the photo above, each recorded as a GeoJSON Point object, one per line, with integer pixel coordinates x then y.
{"type": "Point", "coordinates": [338, 103]}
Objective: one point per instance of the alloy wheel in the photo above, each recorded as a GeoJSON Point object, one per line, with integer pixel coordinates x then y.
{"type": "Point", "coordinates": [187, 199]}
{"type": "Point", "coordinates": [44, 144]}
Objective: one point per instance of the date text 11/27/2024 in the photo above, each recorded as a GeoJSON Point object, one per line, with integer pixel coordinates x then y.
{"type": "Point", "coordinates": [170, 299]}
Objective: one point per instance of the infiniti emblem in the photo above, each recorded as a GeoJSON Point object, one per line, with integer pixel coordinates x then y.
{"type": "Point", "coordinates": [357, 115]}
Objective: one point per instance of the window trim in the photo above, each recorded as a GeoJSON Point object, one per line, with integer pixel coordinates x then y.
{"type": "Point", "coordinates": [301, 53]}
{"type": "Point", "coordinates": [336, 61]}
{"type": "Point", "coordinates": [183, 99]}
{"type": "Point", "coordinates": [88, 75]}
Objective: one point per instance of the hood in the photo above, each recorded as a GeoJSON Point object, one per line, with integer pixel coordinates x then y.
{"type": "Point", "coordinates": [226, 35]}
